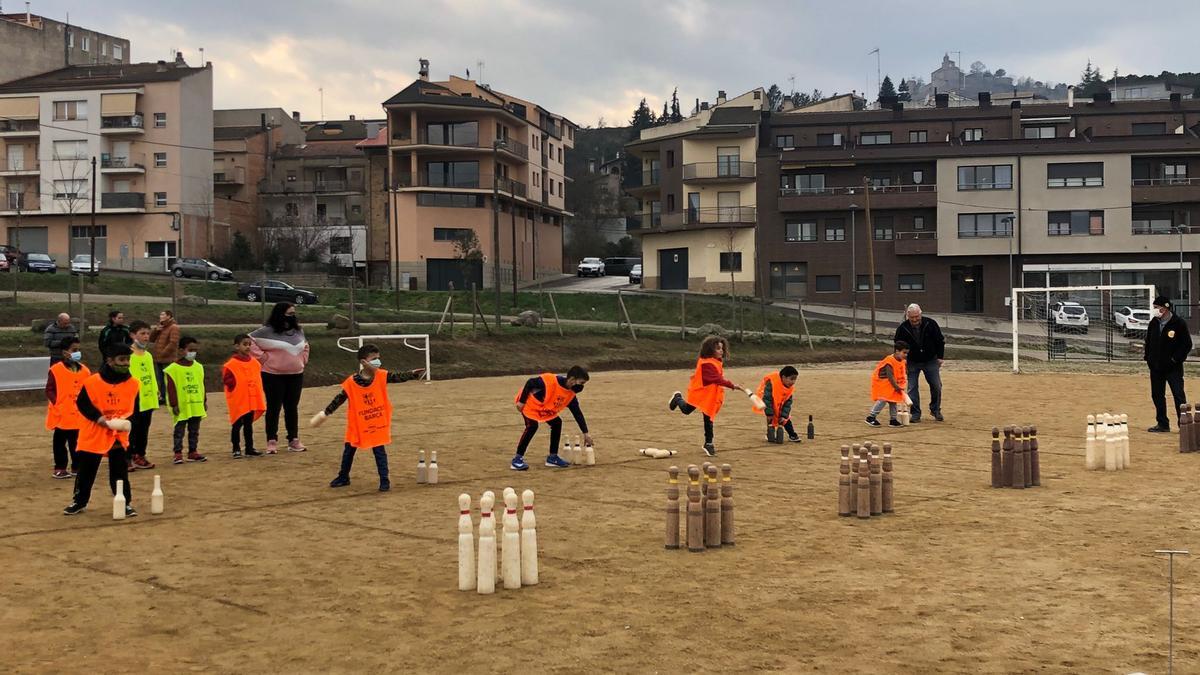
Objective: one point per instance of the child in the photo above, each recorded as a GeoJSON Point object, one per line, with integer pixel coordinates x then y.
{"type": "Point", "coordinates": [141, 367]}
{"type": "Point", "coordinates": [106, 400]}
{"type": "Point", "coordinates": [706, 388]}
{"type": "Point", "coordinates": [775, 390]}
{"type": "Point", "coordinates": [63, 383]}
{"type": "Point", "coordinates": [889, 384]}
{"type": "Point", "coordinates": [242, 377]}
{"type": "Point", "coordinates": [369, 418]}
{"type": "Point", "coordinates": [184, 381]}
{"type": "Point", "coordinates": [541, 400]}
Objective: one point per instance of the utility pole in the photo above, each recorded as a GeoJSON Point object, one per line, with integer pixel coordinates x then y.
{"type": "Point", "coordinates": [853, 271]}
{"type": "Point", "coordinates": [496, 227]}
{"type": "Point", "coordinates": [870, 253]}
{"type": "Point", "coordinates": [512, 211]}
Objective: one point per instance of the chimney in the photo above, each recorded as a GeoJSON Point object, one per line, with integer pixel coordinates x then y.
{"type": "Point", "coordinates": [262, 121]}
{"type": "Point", "coordinates": [1103, 97]}
{"type": "Point", "coordinates": [720, 96]}
{"type": "Point", "coordinates": [1015, 105]}
{"type": "Point", "coordinates": [697, 105]}
{"type": "Point", "coordinates": [296, 115]}
{"type": "Point", "coordinates": [941, 100]}
{"type": "Point", "coordinates": [423, 73]}
{"type": "Point", "coordinates": [704, 105]}
{"type": "Point", "coordinates": [352, 118]}
{"type": "Point", "coordinates": [1071, 96]}
{"type": "Point", "coordinates": [985, 99]}
{"type": "Point", "coordinates": [28, 16]}
{"type": "Point", "coordinates": [1176, 99]}
{"type": "Point", "coordinates": [161, 66]}
{"type": "Point", "coordinates": [179, 62]}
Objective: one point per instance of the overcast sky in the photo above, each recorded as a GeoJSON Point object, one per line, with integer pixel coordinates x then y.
{"type": "Point", "coordinates": [592, 60]}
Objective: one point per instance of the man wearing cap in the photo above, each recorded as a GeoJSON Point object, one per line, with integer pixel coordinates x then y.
{"type": "Point", "coordinates": [1167, 347]}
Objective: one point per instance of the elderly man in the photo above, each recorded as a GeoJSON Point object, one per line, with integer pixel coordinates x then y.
{"type": "Point", "coordinates": [927, 352]}
{"type": "Point", "coordinates": [55, 332]}
{"type": "Point", "coordinates": [1168, 344]}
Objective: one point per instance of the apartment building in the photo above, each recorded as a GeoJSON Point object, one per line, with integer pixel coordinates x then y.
{"type": "Point", "coordinates": [459, 154]}
{"type": "Point", "coordinates": [146, 129]}
{"type": "Point", "coordinates": [377, 212]}
{"type": "Point", "coordinates": [699, 198]}
{"type": "Point", "coordinates": [968, 202]}
{"type": "Point", "coordinates": [32, 44]}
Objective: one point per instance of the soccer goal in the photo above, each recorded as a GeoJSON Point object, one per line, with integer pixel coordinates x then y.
{"type": "Point", "coordinates": [1097, 323]}
{"type": "Point", "coordinates": [416, 342]}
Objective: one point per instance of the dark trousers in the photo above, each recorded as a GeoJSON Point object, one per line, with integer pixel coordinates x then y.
{"type": "Point", "coordinates": [933, 376]}
{"type": "Point", "coordinates": [687, 409]}
{"type": "Point", "coordinates": [158, 376]}
{"type": "Point", "coordinates": [246, 424]}
{"type": "Point", "coordinates": [283, 391]}
{"type": "Point", "coordinates": [1159, 379]}
{"type": "Point", "coordinates": [89, 466]}
{"type": "Point", "coordinates": [787, 426]}
{"type": "Point", "coordinates": [381, 463]}
{"type": "Point", "coordinates": [139, 435]}
{"type": "Point", "coordinates": [531, 427]}
{"type": "Point", "coordinates": [64, 448]}
{"type": "Point", "coordinates": [192, 425]}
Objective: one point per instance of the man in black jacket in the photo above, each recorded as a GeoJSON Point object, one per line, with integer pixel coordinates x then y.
{"type": "Point", "coordinates": [927, 352]}
{"type": "Point", "coordinates": [1168, 344]}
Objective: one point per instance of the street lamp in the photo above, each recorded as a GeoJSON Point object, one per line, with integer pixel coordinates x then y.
{"type": "Point", "coordinates": [1182, 230]}
{"type": "Point", "coordinates": [853, 274]}
{"type": "Point", "coordinates": [1009, 221]}
{"type": "Point", "coordinates": [496, 145]}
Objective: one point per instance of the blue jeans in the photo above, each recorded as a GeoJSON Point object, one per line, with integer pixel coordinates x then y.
{"type": "Point", "coordinates": [933, 375]}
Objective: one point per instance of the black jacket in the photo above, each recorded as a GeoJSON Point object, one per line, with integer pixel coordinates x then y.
{"type": "Point", "coordinates": [1167, 347]}
{"type": "Point", "coordinates": [932, 344]}
{"type": "Point", "coordinates": [112, 335]}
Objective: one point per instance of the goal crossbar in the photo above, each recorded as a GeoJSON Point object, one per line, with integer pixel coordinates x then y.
{"type": "Point", "coordinates": [354, 343]}
{"type": "Point", "coordinates": [1015, 306]}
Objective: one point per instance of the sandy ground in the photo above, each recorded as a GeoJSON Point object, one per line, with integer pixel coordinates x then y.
{"type": "Point", "coordinates": [258, 566]}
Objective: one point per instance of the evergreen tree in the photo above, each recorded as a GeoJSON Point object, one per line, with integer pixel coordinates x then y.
{"type": "Point", "coordinates": [665, 117]}
{"type": "Point", "coordinates": [642, 118]}
{"type": "Point", "coordinates": [887, 88]}
{"type": "Point", "coordinates": [1091, 82]}
{"type": "Point", "coordinates": [903, 93]}
{"type": "Point", "coordinates": [676, 115]}
{"type": "Point", "coordinates": [774, 97]}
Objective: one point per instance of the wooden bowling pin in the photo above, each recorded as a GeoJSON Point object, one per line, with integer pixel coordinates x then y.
{"type": "Point", "coordinates": [565, 453]}
{"type": "Point", "coordinates": [727, 530]}
{"type": "Point", "coordinates": [1118, 442]}
{"type": "Point", "coordinates": [811, 430]}
{"type": "Point", "coordinates": [119, 501]}
{"type": "Point", "coordinates": [712, 510]}
{"type": "Point", "coordinates": [1007, 460]}
{"type": "Point", "coordinates": [876, 482]}
{"type": "Point", "coordinates": [422, 473]}
{"type": "Point", "coordinates": [844, 483]}
{"type": "Point", "coordinates": [1106, 433]}
{"type": "Point", "coordinates": [1035, 457]}
{"type": "Point", "coordinates": [589, 455]}
{"type": "Point", "coordinates": [1089, 454]}
{"type": "Point", "coordinates": [704, 486]}
{"type": "Point", "coordinates": [431, 474]}
{"type": "Point", "coordinates": [889, 480]}
{"type": "Point", "coordinates": [1185, 428]}
{"type": "Point", "coordinates": [1027, 457]}
{"type": "Point", "coordinates": [1124, 441]}
{"type": "Point", "coordinates": [485, 571]}
{"type": "Point", "coordinates": [156, 497]}
{"type": "Point", "coordinates": [997, 463]}
{"type": "Point", "coordinates": [672, 540]}
{"type": "Point", "coordinates": [466, 545]}
{"type": "Point", "coordinates": [864, 486]}
{"type": "Point", "coordinates": [1194, 441]}
{"type": "Point", "coordinates": [695, 517]}
{"type": "Point", "coordinates": [529, 550]}
{"type": "Point", "coordinates": [577, 460]}
{"type": "Point", "coordinates": [855, 450]}
{"type": "Point", "coordinates": [511, 565]}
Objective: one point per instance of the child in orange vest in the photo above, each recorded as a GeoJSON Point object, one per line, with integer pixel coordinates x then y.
{"type": "Point", "coordinates": [542, 399]}
{"type": "Point", "coordinates": [889, 384]}
{"type": "Point", "coordinates": [775, 390]}
{"type": "Point", "coordinates": [369, 420]}
{"type": "Point", "coordinates": [242, 377]}
{"type": "Point", "coordinates": [106, 401]}
{"type": "Point", "coordinates": [706, 388]}
{"type": "Point", "coordinates": [63, 383]}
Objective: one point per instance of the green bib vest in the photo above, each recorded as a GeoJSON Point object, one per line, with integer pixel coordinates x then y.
{"type": "Point", "coordinates": [189, 390]}
{"type": "Point", "coordinates": [141, 368]}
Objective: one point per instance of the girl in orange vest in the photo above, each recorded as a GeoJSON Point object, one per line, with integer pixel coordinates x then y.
{"type": "Point", "coordinates": [889, 384]}
{"type": "Point", "coordinates": [369, 420]}
{"type": "Point", "coordinates": [775, 390]}
{"type": "Point", "coordinates": [63, 383]}
{"type": "Point", "coordinates": [242, 377]}
{"type": "Point", "coordinates": [706, 388]}
{"type": "Point", "coordinates": [541, 400]}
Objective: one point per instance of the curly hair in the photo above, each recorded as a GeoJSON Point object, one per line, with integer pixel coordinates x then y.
{"type": "Point", "coordinates": [708, 348]}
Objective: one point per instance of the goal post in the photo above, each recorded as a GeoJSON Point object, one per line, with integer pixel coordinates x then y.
{"type": "Point", "coordinates": [417, 342]}
{"type": "Point", "coordinates": [1033, 305]}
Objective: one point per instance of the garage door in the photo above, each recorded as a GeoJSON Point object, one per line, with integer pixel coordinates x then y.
{"type": "Point", "coordinates": [440, 272]}
{"type": "Point", "coordinates": [29, 239]}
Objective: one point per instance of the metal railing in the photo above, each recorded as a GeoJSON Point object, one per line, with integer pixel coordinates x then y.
{"type": "Point", "coordinates": [644, 221]}
{"type": "Point", "coordinates": [720, 214]}
{"type": "Point", "coordinates": [123, 122]}
{"type": "Point", "coordinates": [510, 145]}
{"type": "Point", "coordinates": [20, 164]}
{"type": "Point", "coordinates": [286, 186]}
{"type": "Point", "coordinates": [729, 169]}
{"type": "Point", "coordinates": [1158, 182]}
{"type": "Point", "coordinates": [479, 182]}
{"type": "Point", "coordinates": [236, 176]}
{"type": "Point", "coordinates": [858, 189]}
{"type": "Point", "coordinates": [123, 200]}
{"type": "Point", "coordinates": [924, 235]}
{"type": "Point", "coordinates": [18, 126]}
{"type": "Point", "coordinates": [130, 161]}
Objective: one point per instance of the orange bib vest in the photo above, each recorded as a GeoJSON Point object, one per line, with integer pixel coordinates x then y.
{"type": "Point", "coordinates": [707, 398]}
{"type": "Point", "coordinates": [114, 401]}
{"type": "Point", "coordinates": [369, 420]}
{"type": "Point", "coordinates": [779, 394]}
{"type": "Point", "coordinates": [63, 413]}
{"type": "Point", "coordinates": [247, 396]}
{"type": "Point", "coordinates": [881, 388]}
{"type": "Point", "coordinates": [558, 397]}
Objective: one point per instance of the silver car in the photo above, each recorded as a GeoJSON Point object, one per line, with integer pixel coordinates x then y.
{"type": "Point", "coordinates": [200, 269]}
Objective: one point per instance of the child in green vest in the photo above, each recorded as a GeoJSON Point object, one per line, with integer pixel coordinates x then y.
{"type": "Point", "coordinates": [184, 382]}
{"type": "Point", "coordinates": [141, 368]}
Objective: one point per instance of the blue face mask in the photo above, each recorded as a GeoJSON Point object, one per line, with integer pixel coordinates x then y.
{"type": "Point", "coordinates": [375, 363]}
{"type": "Point", "coordinates": [76, 356]}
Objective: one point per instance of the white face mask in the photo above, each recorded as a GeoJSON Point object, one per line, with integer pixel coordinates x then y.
{"type": "Point", "coordinates": [375, 363]}
{"type": "Point", "coordinates": [190, 356]}
{"type": "Point", "coordinates": [76, 356]}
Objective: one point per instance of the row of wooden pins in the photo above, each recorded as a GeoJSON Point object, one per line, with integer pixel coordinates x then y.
{"type": "Point", "coordinates": [709, 509]}
{"type": "Point", "coordinates": [577, 454]}
{"type": "Point", "coordinates": [518, 559]}
{"type": "Point", "coordinates": [870, 490]}
{"type": "Point", "coordinates": [1016, 463]}
{"type": "Point", "coordinates": [1189, 428]}
{"type": "Point", "coordinates": [1107, 442]}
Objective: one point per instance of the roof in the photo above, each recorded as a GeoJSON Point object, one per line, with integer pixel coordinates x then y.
{"type": "Point", "coordinates": [738, 115]}
{"type": "Point", "coordinates": [235, 133]}
{"type": "Point", "coordinates": [421, 91]}
{"type": "Point", "coordinates": [380, 140]}
{"type": "Point", "coordinates": [337, 130]}
{"type": "Point", "coordinates": [99, 76]}
{"type": "Point", "coordinates": [339, 148]}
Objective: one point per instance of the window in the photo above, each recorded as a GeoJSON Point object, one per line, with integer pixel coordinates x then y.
{"type": "Point", "coordinates": [884, 229]}
{"type": "Point", "coordinates": [1174, 173]}
{"type": "Point", "coordinates": [875, 138]}
{"type": "Point", "coordinates": [160, 160]}
{"type": "Point", "coordinates": [1136, 92]}
{"type": "Point", "coordinates": [86, 43]}
{"type": "Point", "coordinates": [160, 199]}
{"type": "Point", "coordinates": [1075, 174]}
{"type": "Point", "coordinates": [995, 177]}
{"type": "Point", "coordinates": [160, 249]}
{"type": "Point", "coordinates": [453, 174]}
{"type": "Point", "coordinates": [803, 183]}
{"type": "Point", "coordinates": [729, 161]}
{"type": "Point", "coordinates": [861, 282]}
{"type": "Point", "coordinates": [787, 141]}
{"type": "Point", "coordinates": [444, 199]}
{"type": "Point", "coordinates": [71, 39]}
{"type": "Point", "coordinates": [731, 261]}
{"type": "Point", "coordinates": [118, 52]}
{"type": "Point", "coordinates": [829, 139]}
{"type": "Point", "coordinates": [835, 229]}
{"type": "Point", "coordinates": [291, 209]}
{"type": "Point", "coordinates": [1067, 223]}
{"type": "Point", "coordinates": [670, 158]}
{"type": "Point", "coordinates": [356, 209]}
{"type": "Point", "coordinates": [978, 225]}
{"type": "Point", "coordinates": [160, 120]}
{"type": "Point", "coordinates": [789, 279]}
{"type": "Point", "coordinates": [103, 48]}
{"type": "Point", "coordinates": [918, 136]}
{"type": "Point", "coordinates": [69, 189]}
{"type": "Point", "coordinates": [70, 110]}
{"type": "Point", "coordinates": [85, 231]}
{"type": "Point", "coordinates": [829, 283]}
{"type": "Point", "coordinates": [560, 159]}
{"type": "Point", "coordinates": [452, 133]}
{"type": "Point", "coordinates": [911, 282]}
{"type": "Point", "coordinates": [1153, 222]}
{"type": "Point", "coordinates": [1039, 132]}
{"type": "Point", "coordinates": [551, 187]}
{"type": "Point", "coordinates": [880, 181]}
{"type": "Point", "coordinates": [340, 245]}
{"type": "Point", "coordinates": [918, 222]}
{"type": "Point", "coordinates": [801, 231]}
{"type": "Point", "coordinates": [972, 135]}
{"type": "Point", "coordinates": [450, 233]}
{"type": "Point", "coordinates": [1149, 128]}
{"type": "Point", "coordinates": [70, 150]}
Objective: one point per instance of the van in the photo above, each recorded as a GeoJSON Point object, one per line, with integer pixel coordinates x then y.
{"type": "Point", "coordinates": [620, 267]}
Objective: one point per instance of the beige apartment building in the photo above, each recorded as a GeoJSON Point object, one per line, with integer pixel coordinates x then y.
{"type": "Point", "coordinates": [147, 129]}
{"type": "Point", "coordinates": [32, 44]}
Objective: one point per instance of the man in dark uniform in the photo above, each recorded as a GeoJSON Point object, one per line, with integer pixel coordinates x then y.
{"type": "Point", "coordinates": [1168, 344]}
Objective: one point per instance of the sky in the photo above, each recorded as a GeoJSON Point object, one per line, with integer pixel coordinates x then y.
{"type": "Point", "coordinates": [593, 61]}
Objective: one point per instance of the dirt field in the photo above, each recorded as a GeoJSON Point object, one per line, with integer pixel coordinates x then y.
{"type": "Point", "coordinates": [258, 566]}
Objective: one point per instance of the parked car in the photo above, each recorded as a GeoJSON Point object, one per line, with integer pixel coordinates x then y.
{"type": "Point", "coordinates": [39, 263]}
{"type": "Point", "coordinates": [82, 264]}
{"type": "Point", "coordinates": [635, 274]}
{"type": "Point", "coordinates": [11, 254]}
{"type": "Point", "coordinates": [590, 267]}
{"type": "Point", "coordinates": [1069, 316]}
{"type": "Point", "coordinates": [620, 266]}
{"type": "Point", "coordinates": [4, 265]}
{"type": "Point", "coordinates": [1130, 320]}
{"type": "Point", "coordinates": [276, 291]}
{"type": "Point", "coordinates": [200, 269]}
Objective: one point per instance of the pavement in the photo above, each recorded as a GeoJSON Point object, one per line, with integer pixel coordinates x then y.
{"type": "Point", "coordinates": [568, 284]}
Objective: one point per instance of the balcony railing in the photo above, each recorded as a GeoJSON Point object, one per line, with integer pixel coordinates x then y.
{"type": "Point", "coordinates": [644, 221]}
{"type": "Point", "coordinates": [22, 201]}
{"type": "Point", "coordinates": [18, 126]}
{"type": "Point", "coordinates": [732, 215]}
{"type": "Point", "coordinates": [123, 200]}
{"type": "Point", "coordinates": [650, 178]}
{"type": "Point", "coordinates": [511, 145]}
{"type": "Point", "coordinates": [479, 182]}
{"type": "Point", "coordinates": [16, 164]}
{"type": "Point", "coordinates": [123, 122]}
{"type": "Point", "coordinates": [857, 189]}
{"type": "Point", "coordinates": [721, 169]}
{"type": "Point", "coordinates": [234, 175]}
{"type": "Point", "coordinates": [131, 161]}
{"type": "Point", "coordinates": [552, 128]}
{"type": "Point", "coordinates": [300, 186]}
{"type": "Point", "coordinates": [1159, 182]}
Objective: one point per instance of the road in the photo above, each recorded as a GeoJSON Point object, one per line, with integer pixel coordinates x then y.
{"type": "Point", "coordinates": [592, 285]}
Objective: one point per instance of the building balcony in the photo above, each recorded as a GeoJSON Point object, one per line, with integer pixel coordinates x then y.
{"type": "Point", "coordinates": [123, 201]}
{"type": "Point", "coordinates": [916, 243]}
{"type": "Point", "coordinates": [717, 217]}
{"type": "Point", "coordinates": [20, 166]}
{"type": "Point", "coordinates": [650, 184]}
{"type": "Point", "coordinates": [19, 128]}
{"type": "Point", "coordinates": [644, 221]}
{"type": "Point", "coordinates": [20, 203]}
{"type": "Point", "coordinates": [406, 139]}
{"type": "Point", "coordinates": [234, 175]}
{"type": "Point", "coordinates": [729, 171]}
{"type": "Point", "coordinates": [841, 198]}
{"type": "Point", "coordinates": [123, 124]}
{"type": "Point", "coordinates": [131, 163]}
{"type": "Point", "coordinates": [421, 179]}
{"type": "Point", "coordinates": [308, 186]}
{"type": "Point", "coordinates": [1151, 190]}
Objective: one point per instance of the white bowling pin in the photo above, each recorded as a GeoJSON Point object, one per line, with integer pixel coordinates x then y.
{"type": "Point", "coordinates": [1110, 444]}
{"type": "Point", "coordinates": [589, 456]}
{"type": "Point", "coordinates": [156, 497]}
{"type": "Point", "coordinates": [1090, 451]}
{"type": "Point", "coordinates": [577, 453]}
{"type": "Point", "coordinates": [485, 575]}
{"type": "Point", "coordinates": [466, 545]}
{"type": "Point", "coordinates": [529, 555]}
{"type": "Point", "coordinates": [119, 501]}
{"type": "Point", "coordinates": [431, 473]}
{"type": "Point", "coordinates": [512, 543]}
{"type": "Point", "coordinates": [422, 471]}
{"type": "Point", "coordinates": [1125, 440]}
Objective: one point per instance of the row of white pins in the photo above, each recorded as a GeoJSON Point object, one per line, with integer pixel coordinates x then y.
{"type": "Point", "coordinates": [1107, 442]}
{"type": "Point", "coordinates": [156, 499]}
{"type": "Point", "coordinates": [576, 453]}
{"type": "Point", "coordinates": [427, 473]}
{"type": "Point", "coordinates": [517, 563]}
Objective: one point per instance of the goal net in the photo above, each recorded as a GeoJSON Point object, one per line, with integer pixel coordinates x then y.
{"type": "Point", "coordinates": [416, 354]}
{"type": "Point", "coordinates": [1080, 323]}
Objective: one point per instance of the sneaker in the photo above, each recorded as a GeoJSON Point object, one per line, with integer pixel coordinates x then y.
{"type": "Point", "coordinates": [339, 482]}
{"type": "Point", "coordinates": [251, 452]}
{"type": "Point", "coordinates": [385, 485]}
{"type": "Point", "coordinates": [272, 446]}
{"type": "Point", "coordinates": [130, 512]}
{"type": "Point", "coordinates": [74, 509]}
{"type": "Point", "coordinates": [710, 449]}
{"type": "Point", "coordinates": [675, 399]}
{"type": "Point", "coordinates": [142, 463]}
{"type": "Point", "coordinates": [938, 417]}
{"type": "Point", "coordinates": [295, 445]}
{"type": "Point", "coordinates": [73, 471]}
{"type": "Point", "coordinates": [796, 439]}
{"type": "Point", "coordinates": [914, 420]}
{"type": "Point", "coordinates": [237, 453]}
{"type": "Point", "coordinates": [196, 457]}
{"type": "Point", "coordinates": [1159, 430]}
{"type": "Point", "coordinates": [61, 474]}
{"type": "Point", "coordinates": [556, 461]}
{"type": "Point", "coordinates": [130, 467]}
{"type": "Point", "coordinates": [178, 458]}
{"type": "Point", "coordinates": [518, 464]}
{"type": "Point", "coordinates": [872, 422]}
{"type": "Point", "coordinates": [894, 423]}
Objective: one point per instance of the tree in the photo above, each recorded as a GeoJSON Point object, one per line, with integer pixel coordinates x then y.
{"type": "Point", "coordinates": [1000, 72]}
{"type": "Point", "coordinates": [1091, 82]}
{"type": "Point", "coordinates": [774, 97]}
{"type": "Point", "coordinates": [240, 254]}
{"type": "Point", "coordinates": [600, 124]}
{"type": "Point", "coordinates": [676, 115]}
{"type": "Point", "coordinates": [467, 253]}
{"type": "Point", "coordinates": [643, 118]}
{"type": "Point", "coordinates": [904, 94]}
{"type": "Point", "coordinates": [978, 68]}
{"type": "Point", "coordinates": [887, 88]}
{"type": "Point", "coordinates": [665, 117]}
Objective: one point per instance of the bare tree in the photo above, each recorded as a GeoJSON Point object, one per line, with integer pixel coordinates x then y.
{"type": "Point", "coordinates": [299, 236]}
{"type": "Point", "coordinates": [468, 254]}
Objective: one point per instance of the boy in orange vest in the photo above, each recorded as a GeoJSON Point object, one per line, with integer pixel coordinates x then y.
{"type": "Point", "coordinates": [242, 377]}
{"type": "Point", "coordinates": [63, 383]}
{"type": "Point", "coordinates": [706, 389]}
{"type": "Point", "coordinates": [542, 399]}
{"type": "Point", "coordinates": [106, 401]}
{"type": "Point", "coordinates": [369, 419]}
{"type": "Point", "coordinates": [775, 390]}
{"type": "Point", "coordinates": [889, 384]}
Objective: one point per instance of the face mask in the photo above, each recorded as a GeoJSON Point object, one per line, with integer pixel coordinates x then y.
{"type": "Point", "coordinates": [76, 356]}
{"type": "Point", "coordinates": [291, 321]}
{"type": "Point", "coordinates": [375, 363]}
{"type": "Point", "coordinates": [577, 388]}
{"type": "Point", "coordinates": [139, 345]}
{"type": "Point", "coordinates": [190, 356]}
{"type": "Point", "coordinates": [120, 370]}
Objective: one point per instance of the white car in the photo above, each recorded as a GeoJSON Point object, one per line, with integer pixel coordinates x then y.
{"type": "Point", "coordinates": [1129, 319]}
{"type": "Point", "coordinates": [635, 274]}
{"type": "Point", "coordinates": [82, 264]}
{"type": "Point", "coordinates": [590, 267]}
{"type": "Point", "coordinates": [1069, 316]}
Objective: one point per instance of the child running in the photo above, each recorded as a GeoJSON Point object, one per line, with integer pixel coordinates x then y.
{"type": "Point", "coordinates": [775, 390]}
{"type": "Point", "coordinates": [706, 390]}
{"type": "Point", "coordinates": [106, 400]}
{"type": "Point", "coordinates": [184, 381]}
{"type": "Point", "coordinates": [63, 383]}
{"type": "Point", "coordinates": [141, 367]}
{"type": "Point", "coordinates": [242, 377]}
{"type": "Point", "coordinates": [541, 400]}
{"type": "Point", "coordinates": [369, 416]}
{"type": "Point", "coordinates": [889, 384]}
